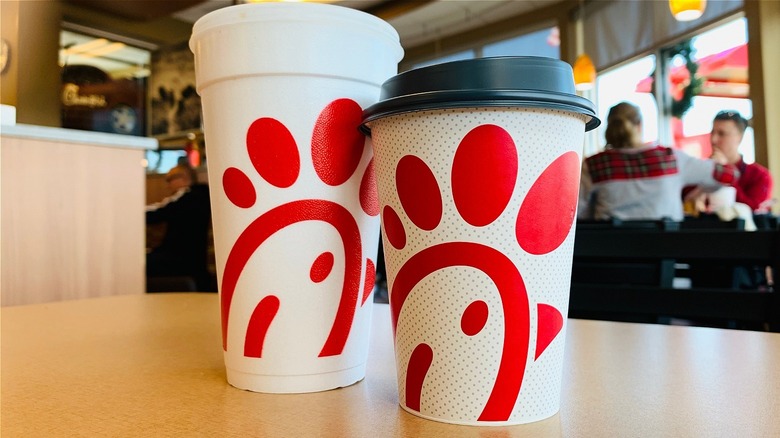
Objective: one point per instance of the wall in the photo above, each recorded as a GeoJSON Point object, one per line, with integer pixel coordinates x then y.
{"type": "Point", "coordinates": [72, 219]}
{"type": "Point", "coordinates": [31, 82]}
{"type": "Point", "coordinates": [9, 31]}
{"type": "Point", "coordinates": [764, 36]}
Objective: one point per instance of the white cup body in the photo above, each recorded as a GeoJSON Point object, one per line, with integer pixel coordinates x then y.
{"type": "Point", "coordinates": [724, 197]}
{"type": "Point", "coordinates": [296, 241]}
{"type": "Point", "coordinates": [478, 209]}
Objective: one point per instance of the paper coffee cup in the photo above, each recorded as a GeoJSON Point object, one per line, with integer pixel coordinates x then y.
{"type": "Point", "coordinates": [295, 215]}
{"type": "Point", "coordinates": [478, 166]}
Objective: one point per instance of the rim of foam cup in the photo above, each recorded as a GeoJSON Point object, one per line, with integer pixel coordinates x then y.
{"type": "Point", "coordinates": [292, 12]}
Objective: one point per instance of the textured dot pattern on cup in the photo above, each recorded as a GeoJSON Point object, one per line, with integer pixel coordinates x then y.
{"type": "Point", "coordinates": [477, 213]}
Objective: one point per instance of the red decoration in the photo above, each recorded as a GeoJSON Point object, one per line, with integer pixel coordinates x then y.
{"type": "Point", "coordinates": [483, 179]}
{"type": "Point", "coordinates": [238, 188]}
{"type": "Point", "coordinates": [474, 318]}
{"type": "Point", "coordinates": [337, 144]}
{"type": "Point", "coordinates": [549, 209]}
{"type": "Point", "coordinates": [369, 199]}
{"type": "Point", "coordinates": [484, 173]}
{"type": "Point", "coordinates": [259, 323]}
{"type": "Point", "coordinates": [549, 324]}
{"type": "Point", "coordinates": [273, 152]}
{"type": "Point", "coordinates": [419, 363]}
{"type": "Point", "coordinates": [321, 267]}
{"type": "Point", "coordinates": [419, 192]}
{"type": "Point", "coordinates": [336, 151]}
{"type": "Point", "coordinates": [368, 283]}
{"type": "Point", "coordinates": [394, 228]}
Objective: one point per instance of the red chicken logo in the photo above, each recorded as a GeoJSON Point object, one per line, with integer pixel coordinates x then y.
{"type": "Point", "coordinates": [336, 150]}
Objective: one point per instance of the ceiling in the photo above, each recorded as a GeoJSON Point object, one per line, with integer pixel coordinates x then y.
{"type": "Point", "coordinates": [136, 9]}
{"type": "Point", "coordinates": [442, 18]}
{"type": "Point", "coordinates": [417, 21]}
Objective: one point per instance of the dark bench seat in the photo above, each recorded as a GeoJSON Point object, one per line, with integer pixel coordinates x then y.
{"type": "Point", "coordinates": [627, 273]}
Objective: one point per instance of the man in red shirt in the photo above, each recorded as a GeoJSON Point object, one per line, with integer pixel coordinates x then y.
{"type": "Point", "coordinates": [754, 186]}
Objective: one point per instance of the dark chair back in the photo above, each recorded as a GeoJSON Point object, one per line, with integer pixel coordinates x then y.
{"type": "Point", "coordinates": [711, 222]}
{"type": "Point", "coordinates": [629, 275]}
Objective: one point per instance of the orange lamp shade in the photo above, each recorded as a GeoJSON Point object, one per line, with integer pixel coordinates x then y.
{"type": "Point", "coordinates": [687, 10]}
{"type": "Point", "coordinates": [584, 73]}
{"type": "Point", "coordinates": [274, 1]}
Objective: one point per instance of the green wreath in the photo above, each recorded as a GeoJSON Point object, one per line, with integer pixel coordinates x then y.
{"type": "Point", "coordinates": [684, 49]}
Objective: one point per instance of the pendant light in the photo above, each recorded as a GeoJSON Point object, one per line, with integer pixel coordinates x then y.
{"type": "Point", "coordinates": [687, 10]}
{"type": "Point", "coordinates": [282, 1]}
{"type": "Point", "coordinates": [584, 70]}
{"type": "Point", "coordinates": [584, 73]}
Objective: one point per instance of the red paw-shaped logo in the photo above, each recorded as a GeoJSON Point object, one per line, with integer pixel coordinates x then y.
{"type": "Point", "coordinates": [483, 178]}
{"type": "Point", "coordinates": [336, 150]}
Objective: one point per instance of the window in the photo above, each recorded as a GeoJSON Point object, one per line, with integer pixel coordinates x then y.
{"type": "Point", "coordinates": [545, 42]}
{"type": "Point", "coordinates": [620, 84]}
{"type": "Point", "coordinates": [161, 161]}
{"type": "Point", "coordinates": [466, 54]}
{"type": "Point", "coordinates": [722, 57]}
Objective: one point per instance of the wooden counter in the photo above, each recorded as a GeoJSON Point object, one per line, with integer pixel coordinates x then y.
{"type": "Point", "coordinates": [72, 214]}
{"type": "Point", "coordinates": [151, 365]}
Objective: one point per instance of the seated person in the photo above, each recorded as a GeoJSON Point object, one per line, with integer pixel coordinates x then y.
{"type": "Point", "coordinates": [754, 187]}
{"type": "Point", "coordinates": [187, 214]}
{"type": "Point", "coordinates": [753, 192]}
{"type": "Point", "coordinates": [631, 180]}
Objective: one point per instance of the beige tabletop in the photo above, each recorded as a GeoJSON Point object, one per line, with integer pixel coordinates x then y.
{"type": "Point", "coordinates": [151, 365]}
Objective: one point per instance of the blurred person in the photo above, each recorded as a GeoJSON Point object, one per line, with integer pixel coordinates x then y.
{"type": "Point", "coordinates": [754, 187]}
{"type": "Point", "coordinates": [183, 251]}
{"type": "Point", "coordinates": [633, 180]}
{"type": "Point", "coordinates": [753, 191]}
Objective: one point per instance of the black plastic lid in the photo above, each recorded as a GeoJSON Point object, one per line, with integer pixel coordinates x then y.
{"type": "Point", "coordinates": [524, 81]}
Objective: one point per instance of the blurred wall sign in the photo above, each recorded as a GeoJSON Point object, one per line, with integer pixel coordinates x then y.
{"type": "Point", "coordinates": [71, 96]}
{"type": "Point", "coordinates": [93, 101]}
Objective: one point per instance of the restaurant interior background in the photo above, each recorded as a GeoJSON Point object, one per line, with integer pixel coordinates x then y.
{"type": "Point", "coordinates": [72, 228]}
{"type": "Point", "coordinates": [126, 68]}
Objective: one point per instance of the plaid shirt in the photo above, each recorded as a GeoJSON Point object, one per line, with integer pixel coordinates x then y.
{"type": "Point", "coordinates": [616, 165]}
{"type": "Point", "coordinates": [645, 183]}
{"type": "Point", "coordinates": [658, 161]}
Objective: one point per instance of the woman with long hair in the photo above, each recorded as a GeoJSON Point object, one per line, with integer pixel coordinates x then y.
{"type": "Point", "coordinates": [633, 180]}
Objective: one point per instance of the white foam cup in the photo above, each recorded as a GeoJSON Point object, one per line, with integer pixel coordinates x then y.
{"type": "Point", "coordinates": [724, 197]}
{"type": "Point", "coordinates": [294, 206]}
